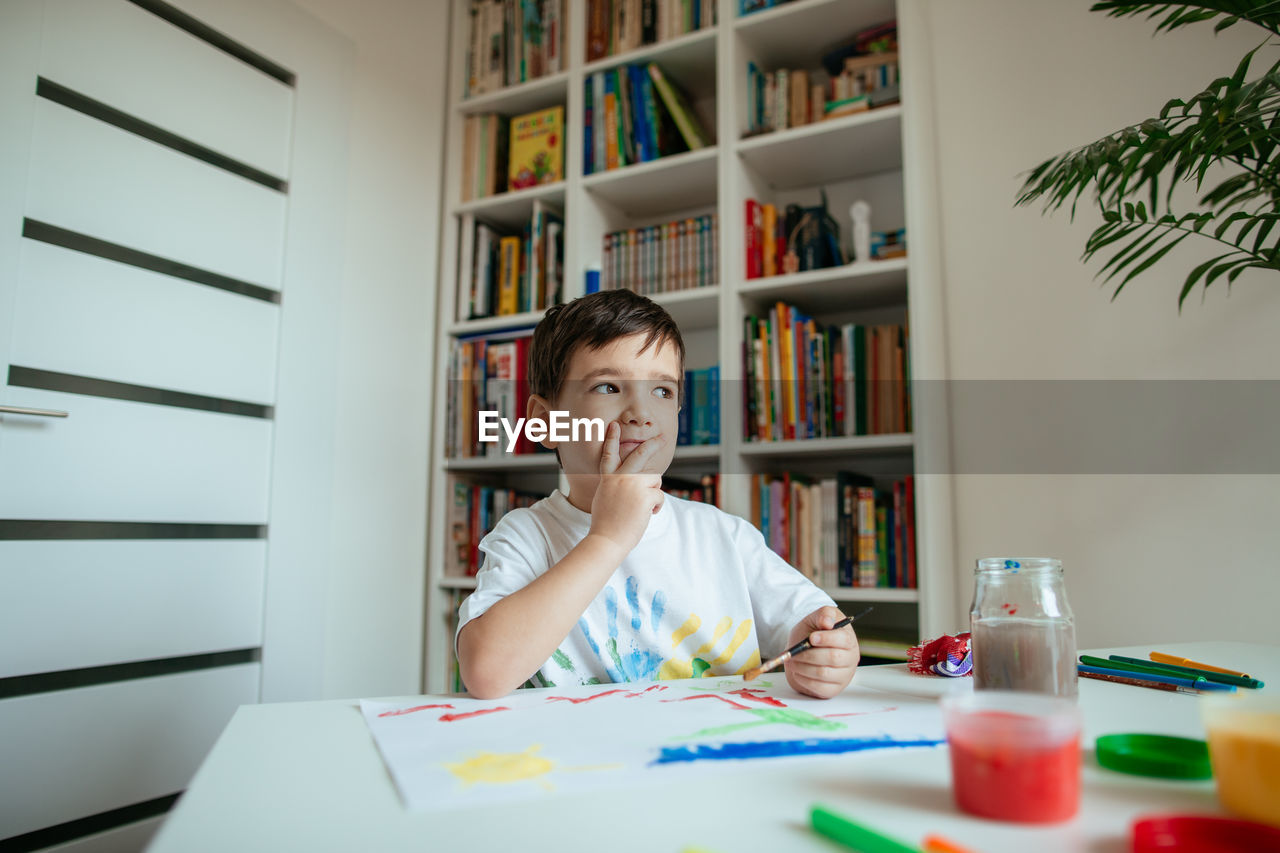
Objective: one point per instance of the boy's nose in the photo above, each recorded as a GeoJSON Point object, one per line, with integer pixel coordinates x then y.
{"type": "Point", "coordinates": [636, 413]}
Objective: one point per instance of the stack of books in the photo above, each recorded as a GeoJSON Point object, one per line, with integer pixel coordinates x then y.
{"type": "Point", "coordinates": [474, 510]}
{"type": "Point", "coordinates": [617, 26]}
{"type": "Point", "coordinates": [634, 114]}
{"type": "Point", "coordinates": [501, 153]}
{"type": "Point", "coordinates": [699, 418]}
{"type": "Point", "coordinates": [804, 380]}
{"type": "Point", "coordinates": [500, 274]}
{"type": "Point", "coordinates": [839, 531]}
{"type": "Point", "coordinates": [511, 41]}
{"type": "Point", "coordinates": [487, 373]}
{"type": "Point", "coordinates": [706, 489]}
{"type": "Point", "coordinates": [784, 98]}
{"type": "Point", "coordinates": [662, 258]}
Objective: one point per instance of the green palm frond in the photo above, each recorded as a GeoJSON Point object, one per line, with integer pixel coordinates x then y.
{"type": "Point", "coordinates": [1231, 128]}
{"type": "Point", "coordinates": [1264, 13]}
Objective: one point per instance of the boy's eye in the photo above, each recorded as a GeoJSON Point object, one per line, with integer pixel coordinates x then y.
{"type": "Point", "coordinates": [605, 388]}
{"type": "Point", "coordinates": [666, 392]}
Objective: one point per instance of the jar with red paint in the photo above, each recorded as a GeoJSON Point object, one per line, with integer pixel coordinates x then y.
{"type": "Point", "coordinates": [1014, 756]}
{"type": "Point", "coordinates": [1023, 631]}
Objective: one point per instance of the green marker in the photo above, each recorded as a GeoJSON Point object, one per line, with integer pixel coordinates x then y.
{"type": "Point", "coordinates": [856, 836]}
{"type": "Point", "coordinates": [1190, 672]}
{"type": "Point", "coordinates": [1090, 660]}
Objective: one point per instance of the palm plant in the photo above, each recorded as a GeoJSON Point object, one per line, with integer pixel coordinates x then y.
{"type": "Point", "coordinates": [1231, 128]}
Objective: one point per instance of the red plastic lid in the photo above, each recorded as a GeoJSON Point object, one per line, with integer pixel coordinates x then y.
{"type": "Point", "coordinates": [1202, 834]}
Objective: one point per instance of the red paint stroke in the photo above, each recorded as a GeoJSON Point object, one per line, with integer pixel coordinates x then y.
{"type": "Point", "coordinates": [859, 713]}
{"type": "Point", "coordinates": [737, 705]}
{"type": "Point", "coordinates": [585, 698]}
{"type": "Point", "coordinates": [750, 693]}
{"type": "Point", "coordinates": [400, 711]}
{"type": "Point", "coordinates": [1012, 610]}
{"type": "Point", "coordinates": [646, 690]}
{"type": "Point", "coordinates": [449, 718]}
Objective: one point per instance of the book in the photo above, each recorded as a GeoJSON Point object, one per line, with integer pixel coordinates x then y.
{"type": "Point", "coordinates": [536, 151]}
{"type": "Point", "coordinates": [677, 105]}
{"type": "Point", "coordinates": [509, 276]}
{"type": "Point", "coordinates": [599, 20]}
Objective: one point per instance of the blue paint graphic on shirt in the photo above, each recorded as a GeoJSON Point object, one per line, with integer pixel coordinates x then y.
{"type": "Point", "coordinates": [638, 663]}
{"type": "Point", "coordinates": [634, 600]}
{"type": "Point", "coordinates": [781, 748]}
{"type": "Point", "coordinates": [655, 614]}
{"type": "Point", "coordinates": [614, 675]}
{"type": "Point", "coordinates": [611, 610]}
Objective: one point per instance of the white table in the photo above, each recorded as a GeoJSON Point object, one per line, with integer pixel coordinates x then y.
{"type": "Point", "coordinates": [306, 776]}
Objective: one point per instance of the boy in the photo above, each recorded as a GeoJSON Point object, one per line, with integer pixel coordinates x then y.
{"type": "Point", "coordinates": [617, 581]}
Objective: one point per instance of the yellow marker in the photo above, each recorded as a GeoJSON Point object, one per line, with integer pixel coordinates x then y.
{"type": "Point", "coordinates": [1161, 657]}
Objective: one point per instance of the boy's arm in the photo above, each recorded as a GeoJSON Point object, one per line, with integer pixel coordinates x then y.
{"type": "Point", "coordinates": [501, 648]}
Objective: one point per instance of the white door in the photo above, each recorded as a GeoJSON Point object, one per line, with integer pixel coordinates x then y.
{"type": "Point", "coordinates": [145, 164]}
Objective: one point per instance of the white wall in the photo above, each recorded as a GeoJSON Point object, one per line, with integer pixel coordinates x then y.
{"type": "Point", "coordinates": [1149, 558]}
{"type": "Point", "coordinates": [375, 596]}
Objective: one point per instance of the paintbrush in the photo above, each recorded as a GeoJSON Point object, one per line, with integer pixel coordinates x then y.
{"type": "Point", "coordinates": [799, 647]}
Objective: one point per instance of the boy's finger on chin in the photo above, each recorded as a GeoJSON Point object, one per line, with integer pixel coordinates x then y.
{"type": "Point", "coordinates": [609, 451]}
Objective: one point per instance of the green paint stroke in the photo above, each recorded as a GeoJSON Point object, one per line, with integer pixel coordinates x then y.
{"type": "Point", "coordinates": [725, 685]}
{"type": "Point", "coordinates": [562, 660]}
{"type": "Point", "coordinates": [613, 653]}
{"type": "Point", "coordinates": [699, 667]}
{"type": "Point", "coordinates": [769, 717]}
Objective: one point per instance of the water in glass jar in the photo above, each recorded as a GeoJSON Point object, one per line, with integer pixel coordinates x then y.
{"type": "Point", "coordinates": [1025, 654]}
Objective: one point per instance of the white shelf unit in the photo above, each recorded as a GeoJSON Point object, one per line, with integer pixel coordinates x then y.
{"type": "Point", "coordinates": [882, 155]}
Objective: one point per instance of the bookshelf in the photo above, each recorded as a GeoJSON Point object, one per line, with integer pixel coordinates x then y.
{"type": "Point", "coordinates": [882, 155]}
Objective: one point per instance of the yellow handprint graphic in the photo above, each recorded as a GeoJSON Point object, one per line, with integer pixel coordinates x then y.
{"type": "Point", "coordinates": [697, 664]}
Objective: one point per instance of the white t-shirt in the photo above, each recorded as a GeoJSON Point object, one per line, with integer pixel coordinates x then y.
{"type": "Point", "coordinates": [701, 594]}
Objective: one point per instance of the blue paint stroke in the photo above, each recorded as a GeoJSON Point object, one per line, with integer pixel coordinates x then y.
{"type": "Point", "coordinates": [640, 665]}
{"type": "Point", "coordinates": [614, 675]}
{"type": "Point", "coordinates": [659, 605]}
{"type": "Point", "coordinates": [633, 599]}
{"type": "Point", "coordinates": [781, 748]}
{"type": "Point", "coordinates": [611, 610]}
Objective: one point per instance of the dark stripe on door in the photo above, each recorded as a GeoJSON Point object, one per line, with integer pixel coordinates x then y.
{"type": "Point", "coordinates": [72, 99]}
{"type": "Point", "coordinates": [92, 676]}
{"type": "Point", "coordinates": [31, 530]}
{"type": "Point", "coordinates": [220, 40]}
{"type": "Point", "coordinates": [101, 822]}
{"type": "Point", "coordinates": [34, 229]}
{"type": "Point", "coordinates": [69, 383]}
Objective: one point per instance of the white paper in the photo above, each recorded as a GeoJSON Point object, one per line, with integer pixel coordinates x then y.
{"type": "Point", "coordinates": [445, 752]}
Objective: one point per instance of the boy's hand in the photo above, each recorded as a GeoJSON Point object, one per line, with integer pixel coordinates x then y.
{"type": "Point", "coordinates": [828, 667]}
{"type": "Point", "coordinates": [625, 499]}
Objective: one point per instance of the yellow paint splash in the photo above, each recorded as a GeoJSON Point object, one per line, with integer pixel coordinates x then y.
{"type": "Point", "coordinates": [690, 625]}
{"type": "Point", "coordinates": [502, 768]}
{"type": "Point", "coordinates": [739, 637]}
{"type": "Point", "coordinates": [682, 667]}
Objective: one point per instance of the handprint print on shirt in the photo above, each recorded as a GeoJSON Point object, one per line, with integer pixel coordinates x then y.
{"type": "Point", "coordinates": [629, 658]}
{"type": "Point", "coordinates": [635, 663]}
{"type": "Point", "coordinates": [697, 665]}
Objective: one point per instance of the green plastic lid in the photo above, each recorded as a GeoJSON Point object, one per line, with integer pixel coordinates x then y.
{"type": "Point", "coordinates": [1164, 756]}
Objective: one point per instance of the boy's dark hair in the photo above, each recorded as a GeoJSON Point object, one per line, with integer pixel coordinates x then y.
{"type": "Point", "coordinates": [593, 321]}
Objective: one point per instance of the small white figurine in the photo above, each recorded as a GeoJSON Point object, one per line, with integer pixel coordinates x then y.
{"type": "Point", "coordinates": [860, 212]}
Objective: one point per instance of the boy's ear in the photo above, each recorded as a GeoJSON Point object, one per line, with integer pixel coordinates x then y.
{"type": "Point", "coordinates": [540, 407]}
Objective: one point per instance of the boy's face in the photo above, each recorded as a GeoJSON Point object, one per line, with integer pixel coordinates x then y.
{"type": "Point", "coordinates": [618, 382]}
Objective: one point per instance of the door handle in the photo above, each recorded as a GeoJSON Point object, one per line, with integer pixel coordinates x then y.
{"type": "Point", "coordinates": [42, 413]}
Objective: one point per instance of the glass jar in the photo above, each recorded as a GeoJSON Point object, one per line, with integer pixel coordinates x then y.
{"type": "Point", "coordinates": [1024, 636]}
